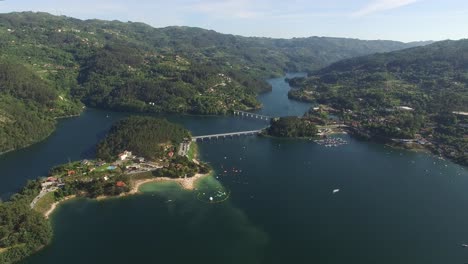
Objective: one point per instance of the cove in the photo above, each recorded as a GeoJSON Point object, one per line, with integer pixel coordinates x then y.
{"type": "Point", "coordinates": [394, 206]}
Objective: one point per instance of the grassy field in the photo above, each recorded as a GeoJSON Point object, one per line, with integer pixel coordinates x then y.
{"type": "Point", "coordinates": [102, 168]}
{"type": "Point", "coordinates": [44, 204]}
{"type": "Point", "coordinates": [193, 151]}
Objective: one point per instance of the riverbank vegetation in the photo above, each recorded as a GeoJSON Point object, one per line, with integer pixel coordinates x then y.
{"type": "Point", "coordinates": [418, 95]}
{"type": "Point", "coordinates": [181, 167]}
{"type": "Point", "coordinates": [51, 65]}
{"type": "Point", "coordinates": [22, 230]}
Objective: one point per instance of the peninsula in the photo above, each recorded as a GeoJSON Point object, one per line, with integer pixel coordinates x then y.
{"type": "Point", "coordinates": [137, 150]}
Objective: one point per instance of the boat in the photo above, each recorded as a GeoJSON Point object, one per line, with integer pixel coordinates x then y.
{"type": "Point", "coordinates": [336, 190]}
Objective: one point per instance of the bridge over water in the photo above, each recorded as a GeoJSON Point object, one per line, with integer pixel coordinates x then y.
{"type": "Point", "coordinates": [224, 135]}
{"type": "Point", "coordinates": [252, 115]}
{"type": "Point", "coordinates": [238, 133]}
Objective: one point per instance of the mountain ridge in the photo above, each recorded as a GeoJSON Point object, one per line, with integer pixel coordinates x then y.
{"type": "Point", "coordinates": [131, 66]}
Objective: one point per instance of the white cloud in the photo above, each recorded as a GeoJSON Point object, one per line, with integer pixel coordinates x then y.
{"type": "Point", "coordinates": [382, 5]}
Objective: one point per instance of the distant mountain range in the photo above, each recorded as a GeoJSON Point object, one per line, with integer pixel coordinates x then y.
{"type": "Point", "coordinates": [51, 65]}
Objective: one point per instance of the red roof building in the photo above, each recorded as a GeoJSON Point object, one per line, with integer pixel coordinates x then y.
{"type": "Point", "coordinates": [120, 184]}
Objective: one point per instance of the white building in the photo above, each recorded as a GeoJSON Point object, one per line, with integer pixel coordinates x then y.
{"type": "Point", "coordinates": [125, 155]}
{"type": "Point", "coordinates": [406, 108]}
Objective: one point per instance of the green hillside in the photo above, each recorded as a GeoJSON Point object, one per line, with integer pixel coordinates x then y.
{"type": "Point", "coordinates": [135, 67]}
{"type": "Point", "coordinates": [148, 137]}
{"type": "Point", "coordinates": [402, 94]}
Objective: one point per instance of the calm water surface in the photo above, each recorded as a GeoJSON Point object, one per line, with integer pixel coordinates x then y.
{"type": "Point", "coordinates": [393, 206]}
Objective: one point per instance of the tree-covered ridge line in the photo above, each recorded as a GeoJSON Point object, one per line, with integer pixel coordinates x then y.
{"type": "Point", "coordinates": [135, 67]}
{"type": "Point", "coordinates": [412, 96]}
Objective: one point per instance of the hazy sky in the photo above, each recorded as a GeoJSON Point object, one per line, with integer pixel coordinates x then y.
{"type": "Point", "coordinates": [404, 20]}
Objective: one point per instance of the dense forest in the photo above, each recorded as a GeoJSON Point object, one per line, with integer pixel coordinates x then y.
{"type": "Point", "coordinates": [148, 137]}
{"type": "Point", "coordinates": [52, 64]}
{"type": "Point", "coordinates": [415, 93]}
{"type": "Point", "coordinates": [28, 106]}
{"type": "Point", "coordinates": [22, 230]}
{"type": "Point", "coordinates": [292, 127]}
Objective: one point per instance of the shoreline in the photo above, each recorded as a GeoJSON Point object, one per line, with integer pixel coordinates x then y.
{"type": "Point", "coordinates": [184, 183]}
{"type": "Point", "coordinates": [55, 205]}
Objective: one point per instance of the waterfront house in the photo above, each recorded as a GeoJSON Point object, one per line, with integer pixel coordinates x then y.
{"type": "Point", "coordinates": [47, 184]}
{"type": "Point", "coordinates": [51, 179]}
{"type": "Point", "coordinates": [125, 155]}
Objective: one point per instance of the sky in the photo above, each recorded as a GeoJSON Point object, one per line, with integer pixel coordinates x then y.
{"type": "Point", "coordinates": [403, 20]}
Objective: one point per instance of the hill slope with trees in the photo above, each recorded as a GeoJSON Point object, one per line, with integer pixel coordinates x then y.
{"type": "Point", "coordinates": [407, 94]}
{"type": "Point", "coordinates": [148, 137]}
{"type": "Point", "coordinates": [135, 67]}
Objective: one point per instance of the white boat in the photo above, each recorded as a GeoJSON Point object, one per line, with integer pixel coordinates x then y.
{"type": "Point", "coordinates": [336, 190]}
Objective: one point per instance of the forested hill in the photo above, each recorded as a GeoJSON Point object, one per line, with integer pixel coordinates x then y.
{"type": "Point", "coordinates": [433, 78]}
{"type": "Point", "coordinates": [28, 106]}
{"type": "Point", "coordinates": [135, 67]}
{"type": "Point", "coordinates": [148, 137]}
{"type": "Point", "coordinates": [401, 94]}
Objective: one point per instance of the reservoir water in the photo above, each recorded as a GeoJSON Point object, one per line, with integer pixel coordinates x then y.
{"type": "Point", "coordinates": [393, 206]}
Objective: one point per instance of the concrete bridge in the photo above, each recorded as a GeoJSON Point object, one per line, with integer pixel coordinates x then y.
{"type": "Point", "coordinates": [252, 115]}
{"type": "Point", "coordinates": [224, 135]}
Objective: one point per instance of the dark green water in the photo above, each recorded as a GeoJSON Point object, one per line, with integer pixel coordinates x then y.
{"type": "Point", "coordinates": [393, 206]}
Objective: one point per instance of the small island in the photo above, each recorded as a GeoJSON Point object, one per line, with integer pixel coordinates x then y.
{"type": "Point", "coordinates": [292, 127]}
{"type": "Point", "coordinates": [137, 150]}
{"type": "Point", "coordinates": [317, 123]}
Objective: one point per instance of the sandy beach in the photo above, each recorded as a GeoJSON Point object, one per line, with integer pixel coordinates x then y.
{"type": "Point", "coordinates": [185, 183]}
{"type": "Point", "coordinates": [54, 205]}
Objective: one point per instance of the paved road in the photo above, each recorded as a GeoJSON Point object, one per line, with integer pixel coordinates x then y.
{"type": "Point", "coordinates": [41, 194]}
